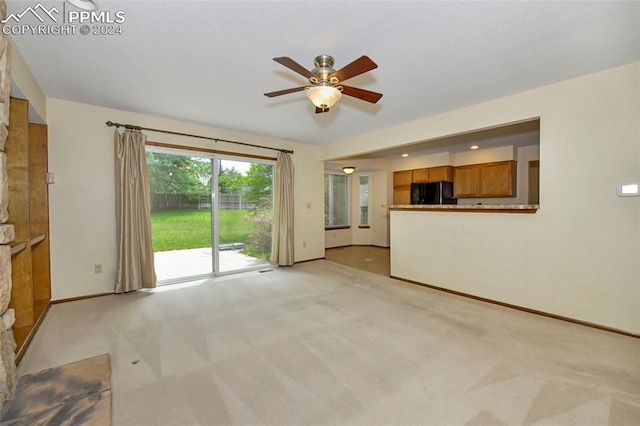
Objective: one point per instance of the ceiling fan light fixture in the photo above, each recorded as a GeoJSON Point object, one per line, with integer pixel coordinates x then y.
{"type": "Point", "coordinates": [84, 4]}
{"type": "Point", "coordinates": [348, 170]}
{"type": "Point", "coordinates": [323, 96]}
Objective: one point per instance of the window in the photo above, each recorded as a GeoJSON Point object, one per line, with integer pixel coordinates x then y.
{"type": "Point", "coordinates": [363, 190]}
{"type": "Point", "coordinates": [336, 200]}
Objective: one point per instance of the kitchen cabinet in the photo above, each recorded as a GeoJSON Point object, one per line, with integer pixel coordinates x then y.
{"type": "Point", "coordinates": [498, 179]}
{"type": "Point", "coordinates": [402, 187]}
{"type": "Point", "coordinates": [402, 181]}
{"type": "Point", "coordinates": [420, 176]}
{"type": "Point", "coordinates": [402, 178]}
{"type": "Point", "coordinates": [402, 196]}
{"type": "Point", "coordinates": [487, 180]}
{"type": "Point", "coordinates": [439, 174]}
{"type": "Point", "coordinates": [466, 181]}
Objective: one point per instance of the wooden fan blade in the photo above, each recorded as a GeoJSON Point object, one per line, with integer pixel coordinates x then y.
{"type": "Point", "coordinates": [321, 110]}
{"type": "Point", "coordinates": [357, 67]}
{"type": "Point", "coordinates": [365, 95]}
{"type": "Point", "coordinates": [284, 92]}
{"type": "Point", "coordinates": [294, 66]}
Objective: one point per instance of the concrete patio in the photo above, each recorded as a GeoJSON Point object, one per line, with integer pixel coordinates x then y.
{"type": "Point", "coordinates": [186, 263]}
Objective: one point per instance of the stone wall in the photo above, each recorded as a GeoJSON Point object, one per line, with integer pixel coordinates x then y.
{"type": "Point", "coordinates": [8, 373]}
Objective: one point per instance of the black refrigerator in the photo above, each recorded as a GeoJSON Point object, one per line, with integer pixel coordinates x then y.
{"type": "Point", "coordinates": [433, 193]}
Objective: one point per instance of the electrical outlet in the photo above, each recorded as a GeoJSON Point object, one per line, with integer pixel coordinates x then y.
{"type": "Point", "coordinates": [308, 205]}
{"type": "Point", "coordinates": [98, 268]}
{"type": "Point", "coordinates": [304, 244]}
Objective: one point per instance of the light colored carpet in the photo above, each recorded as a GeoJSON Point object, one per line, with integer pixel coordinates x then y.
{"type": "Point", "coordinates": [322, 343]}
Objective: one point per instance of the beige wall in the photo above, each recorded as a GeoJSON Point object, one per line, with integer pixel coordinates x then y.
{"type": "Point", "coordinates": [478, 156]}
{"type": "Point", "coordinates": [82, 199]}
{"type": "Point", "coordinates": [422, 161]}
{"type": "Point", "coordinates": [578, 256]}
{"type": "Point", "coordinates": [338, 238]}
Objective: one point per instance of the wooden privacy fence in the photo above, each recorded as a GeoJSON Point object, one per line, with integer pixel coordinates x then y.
{"type": "Point", "coordinates": [182, 201]}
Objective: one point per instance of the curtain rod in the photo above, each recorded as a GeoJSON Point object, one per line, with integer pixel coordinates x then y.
{"type": "Point", "coordinates": [132, 127]}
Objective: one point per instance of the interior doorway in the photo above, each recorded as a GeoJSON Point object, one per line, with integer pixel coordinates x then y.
{"type": "Point", "coordinates": [210, 214]}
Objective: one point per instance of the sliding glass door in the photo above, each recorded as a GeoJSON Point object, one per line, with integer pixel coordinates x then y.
{"type": "Point", "coordinates": [210, 215]}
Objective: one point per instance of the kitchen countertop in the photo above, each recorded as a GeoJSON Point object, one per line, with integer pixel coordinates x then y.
{"type": "Point", "coordinates": [475, 208]}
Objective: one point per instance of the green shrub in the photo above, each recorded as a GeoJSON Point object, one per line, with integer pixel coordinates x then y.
{"type": "Point", "coordinates": [258, 243]}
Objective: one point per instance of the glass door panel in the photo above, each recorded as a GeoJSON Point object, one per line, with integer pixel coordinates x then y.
{"type": "Point", "coordinates": [181, 219]}
{"type": "Point", "coordinates": [244, 215]}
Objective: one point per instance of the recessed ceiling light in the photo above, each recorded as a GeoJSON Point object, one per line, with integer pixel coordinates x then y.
{"type": "Point", "coordinates": [405, 155]}
{"type": "Point", "coordinates": [474, 147]}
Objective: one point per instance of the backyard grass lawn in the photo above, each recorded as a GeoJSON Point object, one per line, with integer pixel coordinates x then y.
{"type": "Point", "coordinates": [185, 229]}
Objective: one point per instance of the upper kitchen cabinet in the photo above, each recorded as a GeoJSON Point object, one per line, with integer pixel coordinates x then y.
{"type": "Point", "coordinates": [403, 178]}
{"type": "Point", "coordinates": [402, 187]}
{"type": "Point", "coordinates": [421, 176]}
{"type": "Point", "coordinates": [498, 179]}
{"type": "Point", "coordinates": [439, 174]}
{"type": "Point", "coordinates": [488, 180]}
{"type": "Point", "coordinates": [466, 181]}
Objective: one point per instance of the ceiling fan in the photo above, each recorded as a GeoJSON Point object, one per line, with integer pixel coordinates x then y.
{"type": "Point", "coordinates": [326, 83]}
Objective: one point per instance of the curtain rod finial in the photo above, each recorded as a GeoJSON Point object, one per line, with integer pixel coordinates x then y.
{"type": "Point", "coordinates": [110, 123]}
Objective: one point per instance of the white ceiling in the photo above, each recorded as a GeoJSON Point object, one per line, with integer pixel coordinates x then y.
{"type": "Point", "coordinates": [211, 61]}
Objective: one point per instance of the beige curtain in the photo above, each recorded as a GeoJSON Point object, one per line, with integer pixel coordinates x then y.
{"type": "Point", "coordinates": [282, 242]}
{"type": "Point", "coordinates": [133, 214]}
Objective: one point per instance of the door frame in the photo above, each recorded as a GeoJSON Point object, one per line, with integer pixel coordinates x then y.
{"type": "Point", "coordinates": [215, 158]}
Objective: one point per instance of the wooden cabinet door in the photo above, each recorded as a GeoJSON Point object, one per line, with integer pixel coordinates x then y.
{"type": "Point", "coordinates": [466, 181]}
{"type": "Point", "coordinates": [403, 178]}
{"type": "Point", "coordinates": [498, 179]}
{"type": "Point", "coordinates": [421, 176]}
{"type": "Point", "coordinates": [402, 196]}
{"type": "Point", "coordinates": [442, 173]}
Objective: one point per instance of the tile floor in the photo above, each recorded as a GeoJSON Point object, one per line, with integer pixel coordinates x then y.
{"type": "Point", "coordinates": [369, 258]}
